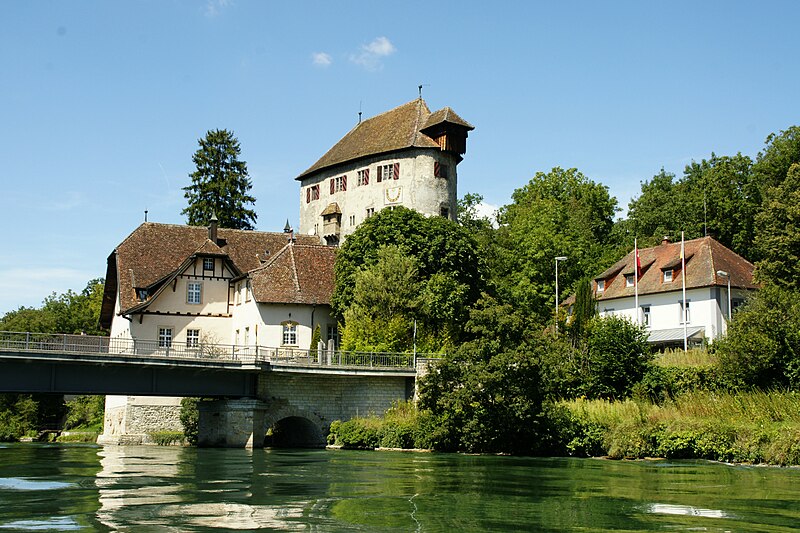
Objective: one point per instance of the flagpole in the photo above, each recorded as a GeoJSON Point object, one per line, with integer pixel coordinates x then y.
{"type": "Point", "coordinates": [636, 281]}
{"type": "Point", "coordinates": [685, 303]}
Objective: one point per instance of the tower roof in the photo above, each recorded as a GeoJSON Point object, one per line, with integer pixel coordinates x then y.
{"type": "Point", "coordinates": [396, 129]}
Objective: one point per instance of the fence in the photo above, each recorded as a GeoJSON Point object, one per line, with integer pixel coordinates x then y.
{"type": "Point", "coordinates": [11, 341]}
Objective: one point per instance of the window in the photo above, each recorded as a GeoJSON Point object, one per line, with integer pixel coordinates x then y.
{"type": "Point", "coordinates": [194, 292]}
{"type": "Point", "coordinates": [646, 316]}
{"type": "Point", "coordinates": [444, 212]}
{"type": "Point", "coordinates": [370, 211]}
{"type": "Point", "coordinates": [247, 291]}
{"type": "Point", "coordinates": [312, 193]}
{"type": "Point", "coordinates": [142, 293]}
{"type": "Point", "coordinates": [685, 311]}
{"type": "Point", "coordinates": [316, 229]}
{"type": "Point", "coordinates": [363, 177]}
{"type": "Point", "coordinates": [388, 172]}
{"type": "Point", "coordinates": [440, 170]}
{"type": "Point", "coordinates": [668, 276]}
{"type": "Point", "coordinates": [208, 264]}
{"type": "Point", "coordinates": [338, 183]}
{"type": "Point", "coordinates": [601, 285]}
{"type": "Point", "coordinates": [236, 293]}
{"type": "Point", "coordinates": [629, 280]}
{"type": "Point", "coordinates": [352, 220]}
{"type": "Point", "coordinates": [192, 338]}
{"type": "Point", "coordinates": [736, 303]}
{"type": "Point", "coordinates": [333, 333]}
{"type": "Point", "coordinates": [290, 333]}
{"type": "Point", "coordinates": [247, 336]}
{"type": "Point", "coordinates": [164, 337]}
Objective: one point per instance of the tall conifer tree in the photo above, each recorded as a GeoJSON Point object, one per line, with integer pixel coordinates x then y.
{"type": "Point", "coordinates": [220, 185]}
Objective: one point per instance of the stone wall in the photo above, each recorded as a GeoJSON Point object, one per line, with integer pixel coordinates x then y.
{"type": "Point", "coordinates": [130, 420]}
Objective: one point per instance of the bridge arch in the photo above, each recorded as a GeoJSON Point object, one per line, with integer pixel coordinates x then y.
{"type": "Point", "coordinates": [289, 427]}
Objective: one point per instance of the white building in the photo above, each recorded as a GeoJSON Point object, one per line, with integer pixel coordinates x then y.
{"type": "Point", "coordinates": [406, 156]}
{"type": "Point", "coordinates": [709, 267]}
{"type": "Point", "coordinates": [188, 287]}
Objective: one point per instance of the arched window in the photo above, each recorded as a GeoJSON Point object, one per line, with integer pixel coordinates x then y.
{"type": "Point", "coordinates": [289, 333]}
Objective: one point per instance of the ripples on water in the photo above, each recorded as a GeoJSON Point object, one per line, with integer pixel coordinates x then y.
{"type": "Point", "coordinates": [88, 488]}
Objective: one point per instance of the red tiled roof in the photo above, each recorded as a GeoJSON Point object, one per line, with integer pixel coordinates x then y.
{"type": "Point", "coordinates": [153, 252]}
{"type": "Point", "coordinates": [299, 274]}
{"type": "Point", "coordinates": [396, 129]}
{"type": "Point", "coordinates": [704, 257]}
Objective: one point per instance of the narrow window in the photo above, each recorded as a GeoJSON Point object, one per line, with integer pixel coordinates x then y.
{"type": "Point", "coordinates": [194, 292]}
{"type": "Point", "coordinates": [668, 276]}
{"type": "Point", "coordinates": [333, 333]}
{"type": "Point", "coordinates": [247, 291]}
{"type": "Point", "coordinates": [352, 220]}
{"type": "Point", "coordinates": [208, 264]}
{"type": "Point", "coordinates": [370, 211]}
{"type": "Point", "coordinates": [629, 280]}
{"type": "Point", "coordinates": [192, 338]}
{"type": "Point", "coordinates": [601, 285]}
{"type": "Point", "coordinates": [363, 177]}
{"type": "Point", "coordinates": [440, 170]}
{"type": "Point", "coordinates": [685, 311]}
{"type": "Point", "coordinates": [646, 315]}
{"type": "Point", "coordinates": [444, 212]}
{"type": "Point", "coordinates": [247, 336]}
{"type": "Point", "coordinates": [290, 334]}
{"type": "Point", "coordinates": [164, 337]}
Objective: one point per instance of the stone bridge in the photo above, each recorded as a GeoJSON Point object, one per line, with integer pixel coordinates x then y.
{"type": "Point", "coordinates": [247, 391]}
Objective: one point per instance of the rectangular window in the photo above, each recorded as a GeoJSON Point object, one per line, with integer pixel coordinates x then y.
{"type": "Point", "coordinates": [247, 291]}
{"type": "Point", "coordinates": [646, 316]}
{"type": "Point", "coordinates": [208, 264]}
{"type": "Point", "coordinates": [192, 338]}
{"type": "Point", "coordinates": [601, 285]}
{"type": "Point", "coordinates": [668, 276]}
{"type": "Point", "coordinates": [312, 193]}
{"type": "Point", "coordinates": [444, 212]}
{"type": "Point", "coordinates": [237, 292]}
{"type": "Point", "coordinates": [338, 183]}
{"type": "Point", "coordinates": [685, 311]}
{"type": "Point", "coordinates": [247, 336]}
{"type": "Point", "coordinates": [352, 220]}
{"type": "Point", "coordinates": [194, 292]}
{"type": "Point", "coordinates": [629, 280]}
{"type": "Point", "coordinates": [333, 333]}
{"type": "Point", "coordinates": [164, 337]}
{"type": "Point", "coordinates": [370, 211]}
{"type": "Point", "coordinates": [389, 172]}
{"type": "Point", "coordinates": [440, 170]}
{"type": "Point", "coordinates": [363, 177]}
{"type": "Point", "coordinates": [289, 334]}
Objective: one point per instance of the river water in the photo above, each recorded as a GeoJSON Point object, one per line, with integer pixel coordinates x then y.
{"type": "Point", "coordinates": [150, 488]}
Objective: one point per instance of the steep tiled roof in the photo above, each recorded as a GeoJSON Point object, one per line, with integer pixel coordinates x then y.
{"type": "Point", "coordinates": [704, 257]}
{"type": "Point", "coordinates": [299, 274]}
{"type": "Point", "coordinates": [393, 130]}
{"type": "Point", "coordinates": [153, 252]}
{"type": "Point", "coordinates": [446, 114]}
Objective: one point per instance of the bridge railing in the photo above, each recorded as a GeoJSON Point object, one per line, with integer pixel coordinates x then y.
{"type": "Point", "coordinates": [119, 346]}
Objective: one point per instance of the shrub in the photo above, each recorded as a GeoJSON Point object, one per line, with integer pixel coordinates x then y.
{"type": "Point", "coordinates": [618, 356]}
{"type": "Point", "coordinates": [168, 438]}
{"type": "Point", "coordinates": [189, 417]}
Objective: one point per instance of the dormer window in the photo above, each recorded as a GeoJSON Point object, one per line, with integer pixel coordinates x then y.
{"type": "Point", "coordinates": [142, 294]}
{"type": "Point", "coordinates": [601, 285]}
{"type": "Point", "coordinates": [629, 280]}
{"type": "Point", "coordinates": [668, 276]}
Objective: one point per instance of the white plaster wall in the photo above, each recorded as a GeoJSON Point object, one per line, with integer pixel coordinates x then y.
{"type": "Point", "coordinates": [417, 188]}
{"type": "Point", "coordinates": [665, 309]}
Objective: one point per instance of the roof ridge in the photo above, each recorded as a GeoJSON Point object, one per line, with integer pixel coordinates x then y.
{"type": "Point", "coordinates": [415, 129]}
{"type": "Point", "coordinates": [295, 276]}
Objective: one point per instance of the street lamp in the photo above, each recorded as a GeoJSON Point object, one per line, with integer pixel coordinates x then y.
{"type": "Point", "coordinates": [559, 258]}
{"type": "Point", "coordinates": [727, 276]}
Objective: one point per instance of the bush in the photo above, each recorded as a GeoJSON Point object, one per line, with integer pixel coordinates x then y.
{"type": "Point", "coordinates": [618, 356]}
{"type": "Point", "coordinates": [189, 417]}
{"type": "Point", "coordinates": [85, 412]}
{"type": "Point", "coordinates": [167, 438]}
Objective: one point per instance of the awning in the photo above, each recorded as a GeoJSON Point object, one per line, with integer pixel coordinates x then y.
{"type": "Point", "coordinates": [659, 336]}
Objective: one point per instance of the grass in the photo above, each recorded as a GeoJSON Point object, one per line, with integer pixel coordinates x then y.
{"type": "Point", "coordinates": [752, 427]}
{"type": "Point", "coordinates": [691, 358]}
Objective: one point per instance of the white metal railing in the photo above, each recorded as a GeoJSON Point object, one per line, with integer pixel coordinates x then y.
{"type": "Point", "coordinates": [11, 341]}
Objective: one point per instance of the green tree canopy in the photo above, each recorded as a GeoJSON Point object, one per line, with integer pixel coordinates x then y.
{"type": "Point", "coordinates": [560, 213]}
{"type": "Point", "coordinates": [220, 185]}
{"type": "Point", "coordinates": [778, 233]}
{"type": "Point", "coordinates": [446, 278]}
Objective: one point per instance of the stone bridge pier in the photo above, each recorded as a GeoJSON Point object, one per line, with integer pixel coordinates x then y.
{"type": "Point", "coordinates": [296, 409]}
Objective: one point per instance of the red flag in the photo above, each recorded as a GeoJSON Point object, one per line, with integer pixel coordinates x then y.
{"type": "Point", "coordinates": [638, 262]}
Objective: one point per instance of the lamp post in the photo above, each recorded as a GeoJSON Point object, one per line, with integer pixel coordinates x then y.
{"type": "Point", "coordinates": [727, 276]}
{"type": "Point", "coordinates": [559, 258]}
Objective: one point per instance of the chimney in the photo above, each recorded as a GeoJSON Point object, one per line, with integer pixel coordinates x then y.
{"type": "Point", "coordinates": [212, 228]}
{"type": "Point", "coordinates": [666, 240]}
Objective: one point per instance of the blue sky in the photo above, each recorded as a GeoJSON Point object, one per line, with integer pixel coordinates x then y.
{"type": "Point", "coordinates": [102, 103]}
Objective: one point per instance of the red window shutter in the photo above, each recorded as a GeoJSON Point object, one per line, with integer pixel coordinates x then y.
{"type": "Point", "coordinates": [344, 182]}
{"type": "Point", "coordinates": [436, 169]}
{"type": "Point", "coordinates": [333, 185]}
{"type": "Point", "coordinates": [380, 173]}
{"type": "Point", "coordinates": [308, 195]}
{"type": "Point", "coordinates": [366, 176]}
{"type": "Point", "coordinates": [397, 171]}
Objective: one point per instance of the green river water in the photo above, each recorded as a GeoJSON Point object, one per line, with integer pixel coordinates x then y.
{"type": "Point", "coordinates": [90, 488]}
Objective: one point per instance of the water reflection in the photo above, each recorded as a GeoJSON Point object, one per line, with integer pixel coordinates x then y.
{"type": "Point", "coordinates": [180, 489]}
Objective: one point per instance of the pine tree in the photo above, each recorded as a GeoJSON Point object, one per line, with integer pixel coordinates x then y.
{"type": "Point", "coordinates": [220, 185]}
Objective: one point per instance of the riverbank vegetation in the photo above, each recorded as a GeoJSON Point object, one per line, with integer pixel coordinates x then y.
{"type": "Point", "coordinates": [519, 378]}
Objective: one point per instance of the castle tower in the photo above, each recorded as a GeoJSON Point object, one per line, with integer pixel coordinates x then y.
{"type": "Point", "coordinates": [404, 157]}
